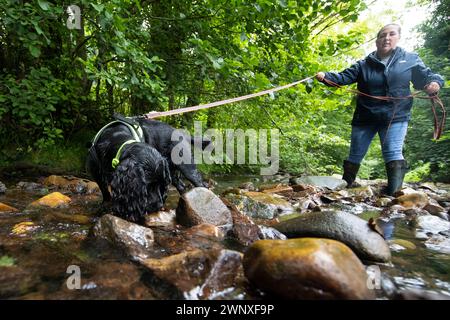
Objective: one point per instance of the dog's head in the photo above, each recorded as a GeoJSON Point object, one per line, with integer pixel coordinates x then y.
{"type": "Point", "coordinates": [140, 182]}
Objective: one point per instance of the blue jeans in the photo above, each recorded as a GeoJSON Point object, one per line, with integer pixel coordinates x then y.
{"type": "Point", "coordinates": [391, 141]}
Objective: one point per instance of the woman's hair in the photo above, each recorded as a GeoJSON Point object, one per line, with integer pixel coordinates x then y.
{"type": "Point", "coordinates": [399, 28]}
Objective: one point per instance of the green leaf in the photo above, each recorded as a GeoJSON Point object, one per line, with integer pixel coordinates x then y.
{"type": "Point", "coordinates": [98, 7]}
{"type": "Point", "coordinates": [43, 4]}
{"type": "Point", "coordinates": [38, 29]}
{"type": "Point", "coordinates": [35, 51]}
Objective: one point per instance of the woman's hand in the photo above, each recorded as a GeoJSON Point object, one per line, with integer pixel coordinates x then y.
{"type": "Point", "coordinates": [432, 88]}
{"type": "Point", "coordinates": [321, 75]}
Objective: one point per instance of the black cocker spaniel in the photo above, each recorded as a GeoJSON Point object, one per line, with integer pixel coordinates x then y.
{"type": "Point", "coordinates": [137, 183]}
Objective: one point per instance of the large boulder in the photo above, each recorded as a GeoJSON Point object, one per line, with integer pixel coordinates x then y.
{"type": "Point", "coordinates": [135, 240]}
{"type": "Point", "coordinates": [307, 268]}
{"type": "Point", "coordinates": [201, 205]}
{"type": "Point", "coordinates": [196, 274]}
{"type": "Point", "coordinates": [338, 225]}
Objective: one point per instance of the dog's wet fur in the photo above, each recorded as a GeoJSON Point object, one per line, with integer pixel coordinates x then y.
{"type": "Point", "coordinates": [140, 183]}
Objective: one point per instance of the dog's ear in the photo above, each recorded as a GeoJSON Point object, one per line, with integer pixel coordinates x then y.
{"type": "Point", "coordinates": [163, 168]}
{"type": "Point", "coordinates": [129, 190]}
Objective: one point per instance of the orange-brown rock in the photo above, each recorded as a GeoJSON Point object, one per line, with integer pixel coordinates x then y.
{"type": "Point", "coordinates": [52, 200]}
{"type": "Point", "coordinates": [6, 208]}
{"type": "Point", "coordinates": [306, 268]}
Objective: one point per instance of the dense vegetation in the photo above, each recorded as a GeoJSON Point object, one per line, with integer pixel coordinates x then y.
{"type": "Point", "coordinates": [59, 85]}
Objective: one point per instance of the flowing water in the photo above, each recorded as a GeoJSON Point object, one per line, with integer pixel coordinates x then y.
{"type": "Point", "coordinates": [35, 255]}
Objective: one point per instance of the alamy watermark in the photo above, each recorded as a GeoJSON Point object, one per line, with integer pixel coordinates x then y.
{"type": "Point", "coordinates": [228, 146]}
{"type": "Point", "coordinates": [74, 280]}
{"type": "Point", "coordinates": [74, 19]}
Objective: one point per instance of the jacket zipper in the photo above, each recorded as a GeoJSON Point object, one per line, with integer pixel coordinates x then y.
{"type": "Point", "coordinates": [386, 69]}
{"type": "Point", "coordinates": [389, 64]}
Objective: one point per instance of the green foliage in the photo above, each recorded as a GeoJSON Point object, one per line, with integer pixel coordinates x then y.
{"type": "Point", "coordinates": [430, 159]}
{"type": "Point", "coordinates": [58, 84]}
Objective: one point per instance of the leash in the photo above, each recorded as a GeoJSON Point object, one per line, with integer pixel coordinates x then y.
{"type": "Point", "coordinates": [439, 125]}
{"type": "Point", "coordinates": [156, 114]}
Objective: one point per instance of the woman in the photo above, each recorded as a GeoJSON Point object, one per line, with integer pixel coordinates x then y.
{"type": "Point", "coordinates": [386, 72]}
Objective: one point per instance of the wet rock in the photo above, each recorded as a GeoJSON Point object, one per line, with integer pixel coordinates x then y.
{"type": "Point", "coordinates": [260, 205]}
{"type": "Point", "coordinates": [248, 186]}
{"type": "Point", "coordinates": [16, 281]}
{"type": "Point", "coordinates": [269, 233]}
{"type": "Point", "coordinates": [429, 185]}
{"type": "Point", "coordinates": [244, 230]}
{"type": "Point", "coordinates": [403, 243]}
{"type": "Point", "coordinates": [434, 208]}
{"type": "Point", "coordinates": [396, 208]}
{"type": "Point", "coordinates": [304, 204]}
{"type": "Point", "coordinates": [412, 200]}
{"type": "Point", "coordinates": [396, 247]}
{"type": "Point", "coordinates": [6, 208]}
{"type": "Point", "coordinates": [206, 230]}
{"type": "Point", "coordinates": [306, 268]}
{"type": "Point", "coordinates": [92, 187]}
{"type": "Point", "coordinates": [438, 243]}
{"type": "Point", "coordinates": [74, 218]}
{"type": "Point", "coordinates": [196, 274]}
{"type": "Point", "coordinates": [70, 183]}
{"type": "Point", "coordinates": [280, 189]}
{"type": "Point", "coordinates": [304, 189]}
{"type": "Point", "coordinates": [414, 212]}
{"type": "Point", "coordinates": [430, 225]}
{"type": "Point", "coordinates": [23, 228]}
{"type": "Point", "coordinates": [328, 198]}
{"type": "Point", "coordinates": [201, 205]}
{"type": "Point", "coordinates": [345, 227]}
{"type": "Point", "coordinates": [419, 294]}
{"type": "Point", "coordinates": [2, 187]}
{"type": "Point", "coordinates": [119, 277]}
{"type": "Point", "coordinates": [52, 200]}
{"type": "Point", "coordinates": [174, 241]}
{"type": "Point", "coordinates": [321, 181]}
{"type": "Point", "coordinates": [445, 233]}
{"type": "Point", "coordinates": [383, 202]}
{"type": "Point", "coordinates": [360, 193]}
{"type": "Point", "coordinates": [32, 186]}
{"type": "Point", "coordinates": [405, 191]}
{"type": "Point", "coordinates": [161, 219]}
{"type": "Point", "coordinates": [134, 239]}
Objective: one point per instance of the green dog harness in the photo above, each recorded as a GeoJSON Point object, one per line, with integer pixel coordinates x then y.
{"type": "Point", "coordinates": [136, 131]}
{"type": "Point", "coordinates": [116, 160]}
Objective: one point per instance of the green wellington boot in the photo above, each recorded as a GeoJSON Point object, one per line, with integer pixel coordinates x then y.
{"type": "Point", "coordinates": [350, 171]}
{"type": "Point", "coordinates": [396, 171]}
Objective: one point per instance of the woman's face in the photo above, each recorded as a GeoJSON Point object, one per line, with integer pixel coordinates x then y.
{"type": "Point", "coordinates": [387, 40]}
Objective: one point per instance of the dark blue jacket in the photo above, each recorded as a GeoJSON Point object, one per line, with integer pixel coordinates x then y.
{"type": "Point", "coordinates": [393, 80]}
